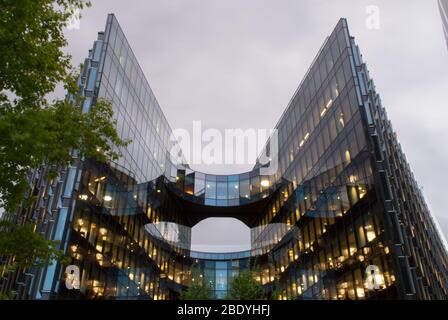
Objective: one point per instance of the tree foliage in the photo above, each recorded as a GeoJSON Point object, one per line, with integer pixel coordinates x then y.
{"type": "Point", "coordinates": [32, 137]}
{"type": "Point", "coordinates": [32, 61]}
{"type": "Point", "coordinates": [245, 287]}
{"type": "Point", "coordinates": [28, 248]}
{"type": "Point", "coordinates": [33, 130]}
{"type": "Point", "coordinates": [197, 289]}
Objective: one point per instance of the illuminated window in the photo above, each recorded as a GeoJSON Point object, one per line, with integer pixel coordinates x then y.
{"type": "Point", "coordinates": [347, 156]}
{"type": "Point", "coordinates": [341, 120]}
{"type": "Point", "coordinates": [370, 233]}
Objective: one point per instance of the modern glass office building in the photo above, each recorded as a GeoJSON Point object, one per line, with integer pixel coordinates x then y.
{"type": "Point", "coordinates": [342, 217]}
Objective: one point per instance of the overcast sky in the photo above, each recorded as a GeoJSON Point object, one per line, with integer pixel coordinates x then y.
{"type": "Point", "coordinates": [237, 63]}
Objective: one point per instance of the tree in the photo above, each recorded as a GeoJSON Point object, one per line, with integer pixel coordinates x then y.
{"type": "Point", "coordinates": [197, 289]}
{"type": "Point", "coordinates": [33, 130]}
{"type": "Point", "coordinates": [245, 287]}
{"type": "Point", "coordinates": [32, 62]}
{"type": "Point", "coordinates": [29, 248]}
{"type": "Point", "coordinates": [32, 137]}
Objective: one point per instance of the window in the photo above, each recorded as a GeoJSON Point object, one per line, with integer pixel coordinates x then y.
{"type": "Point", "coordinates": [221, 279]}
{"type": "Point", "coordinates": [370, 230]}
{"type": "Point", "coordinates": [316, 115]}
{"type": "Point", "coordinates": [333, 131]}
{"type": "Point", "coordinates": [254, 185]}
{"type": "Point", "coordinates": [221, 190]}
{"type": "Point", "coordinates": [189, 183]}
{"type": "Point", "coordinates": [122, 58]}
{"type": "Point", "coordinates": [347, 70]}
{"type": "Point", "coordinates": [340, 122]}
{"type": "Point", "coordinates": [351, 241]}
{"type": "Point", "coordinates": [329, 61]}
{"type": "Point", "coordinates": [354, 104]}
{"type": "Point", "coordinates": [334, 88]}
{"type": "Point", "coordinates": [92, 79]}
{"type": "Point", "coordinates": [326, 137]}
{"type": "Point", "coordinates": [347, 156]}
{"type": "Point", "coordinates": [244, 189]}
{"type": "Point", "coordinates": [360, 232]}
{"type": "Point", "coordinates": [342, 40]}
{"type": "Point", "coordinates": [210, 187]}
{"type": "Point", "coordinates": [233, 190]}
{"type": "Point", "coordinates": [118, 86]}
{"type": "Point", "coordinates": [323, 70]}
{"type": "Point", "coordinates": [317, 77]}
{"type": "Point", "coordinates": [346, 110]}
{"type": "Point", "coordinates": [335, 49]}
{"type": "Point", "coordinates": [360, 135]}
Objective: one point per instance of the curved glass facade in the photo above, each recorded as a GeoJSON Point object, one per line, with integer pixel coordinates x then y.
{"type": "Point", "coordinates": [342, 200]}
{"type": "Point", "coordinates": [221, 190]}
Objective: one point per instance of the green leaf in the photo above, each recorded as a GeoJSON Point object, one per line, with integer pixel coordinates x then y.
{"type": "Point", "coordinates": [245, 287]}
